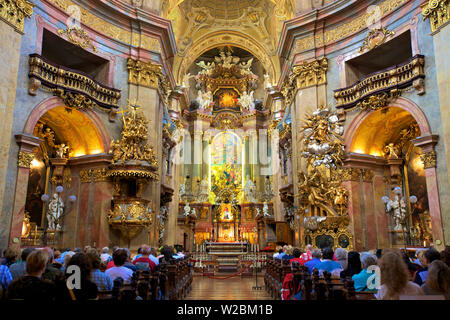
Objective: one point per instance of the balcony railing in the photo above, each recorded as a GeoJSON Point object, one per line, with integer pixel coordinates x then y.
{"type": "Point", "coordinates": [397, 77]}
{"type": "Point", "coordinates": [56, 77]}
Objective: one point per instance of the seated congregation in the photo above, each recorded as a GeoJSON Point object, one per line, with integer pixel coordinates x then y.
{"type": "Point", "coordinates": [47, 274]}
{"type": "Point", "coordinates": [388, 274]}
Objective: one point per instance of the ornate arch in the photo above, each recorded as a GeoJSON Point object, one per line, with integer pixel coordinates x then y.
{"type": "Point", "coordinates": [401, 103]}
{"type": "Point", "coordinates": [48, 104]}
{"type": "Point", "coordinates": [220, 38]}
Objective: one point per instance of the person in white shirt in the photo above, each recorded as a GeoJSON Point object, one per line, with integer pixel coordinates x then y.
{"type": "Point", "coordinates": [120, 256]}
{"type": "Point", "coordinates": [395, 278]}
{"type": "Point", "coordinates": [105, 256]}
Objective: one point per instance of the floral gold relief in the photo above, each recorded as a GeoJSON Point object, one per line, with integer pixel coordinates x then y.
{"type": "Point", "coordinates": [25, 159]}
{"type": "Point", "coordinates": [14, 12]}
{"type": "Point", "coordinates": [429, 159]}
{"type": "Point", "coordinates": [109, 29]}
{"type": "Point", "coordinates": [345, 30]}
{"type": "Point", "coordinates": [145, 74]}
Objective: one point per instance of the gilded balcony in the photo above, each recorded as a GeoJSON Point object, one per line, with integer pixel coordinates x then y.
{"type": "Point", "coordinates": [75, 84]}
{"type": "Point", "coordinates": [385, 82]}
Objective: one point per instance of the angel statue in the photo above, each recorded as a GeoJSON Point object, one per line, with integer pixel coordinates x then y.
{"type": "Point", "coordinates": [267, 83]}
{"type": "Point", "coordinates": [55, 211]}
{"type": "Point", "coordinates": [185, 81]}
{"type": "Point", "coordinates": [250, 190]}
{"type": "Point", "coordinates": [207, 98]}
{"type": "Point", "coordinates": [61, 150]}
{"type": "Point", "coordinates": [187, 209]}
{"type": "Point", "coordinates": [391, 151]}
{"type": "Point", "coordinates": [245, 67]}
{"type": "Point", "coordinates": [266, 209]}
{"type": "Point", "coordinates": [246, 101]}
{"type": "Point", "coordinates": [206, 67]}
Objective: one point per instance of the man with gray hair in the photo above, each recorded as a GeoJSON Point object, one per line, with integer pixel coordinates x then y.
{"type": "Point", "coordinates": [105, 256]}
{"type": "Point", "coordinates": [361, 279]}
{"type": "Point", "coordinates": [341, 257]}
{"type": "Point", "coordinates": [311, 264]}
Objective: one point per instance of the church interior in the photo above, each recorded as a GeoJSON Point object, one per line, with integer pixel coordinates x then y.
{"type": "Point", "coordinates": [225, 130]}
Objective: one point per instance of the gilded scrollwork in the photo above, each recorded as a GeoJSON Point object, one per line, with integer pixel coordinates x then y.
{"type": "Point", "coordinates": [375, 38]}
{"type": "Point", "coordinates": [76, 100]}
{"type": "Point", "coordinates": [14, 12]}
{"type": "Point", "coordinates": [78, 37]}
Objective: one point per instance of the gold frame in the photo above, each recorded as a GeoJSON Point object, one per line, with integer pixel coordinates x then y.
{"type": "Point", "coordinates": [334, 235]}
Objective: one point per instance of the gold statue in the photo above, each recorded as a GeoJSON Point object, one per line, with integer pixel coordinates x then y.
{"type": "Point", "coordinates": [391, 151]}
{"type": "Point", "coordinates": [133, 145]}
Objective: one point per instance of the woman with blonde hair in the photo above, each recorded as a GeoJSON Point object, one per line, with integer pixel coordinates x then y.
{"type": "Point", "coordinates": [289, 253]}
{"type": "Point", "coordinates": [394, 278]}
{"type": "Point", "coordinates": [438, 280]}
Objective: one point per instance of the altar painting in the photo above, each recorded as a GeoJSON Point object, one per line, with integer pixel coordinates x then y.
{"type": "Point", "coordinates": [226, 162]}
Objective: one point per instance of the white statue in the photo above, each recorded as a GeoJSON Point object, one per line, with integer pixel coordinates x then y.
{"type": "Point", "coordinates": [267, 83]}
{"type": "Point", "coordinates": [55, 211]}
{"type": "Point", "coordinates": [187, 209]}
{"type": "Point", "coordinates": [250, 190]}
{"type": "Point", "coordinates": [206, 67]}
{"type": "Point", "coordinates": [246, 101]}
{"type": "Point", "coordinates": [185, 81]}
{"type": "Point", "coordinates": [207, 98]}
{"type": "Point", "coordinates": [266, 209]}
{"type": "Point", "coordinates": [398, 206]}
{"type": "Point", "coordinates": [61, 150]}
{"type": "Point", "coordinates": [204, 191]}
{"type": "Point", "coordinates": [193, 212]}
{"type": "Point", "coordinates": [258, 211]}
{"type": "Point", "coordinates": [182, 190]}
{"type": "Point", "coordinates": [204, 99]}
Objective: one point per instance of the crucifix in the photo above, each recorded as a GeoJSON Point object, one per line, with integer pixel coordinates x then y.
{"type": "Point", "coordinates": [134, 107]}
{"type": "Point", "coordinates": [123, 117]}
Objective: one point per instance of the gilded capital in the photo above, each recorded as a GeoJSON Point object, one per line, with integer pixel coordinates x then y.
{"type": "Point", "coordinates": [429, 159]}
{"type": "Point", "coordinates": [146, 74]}
{"type": "Point", "coordinates": [85, 176]}
{"type": "Point", "coordinates": [351, 174]}
{"type": "Point", "coordinates": [25, 159]}
{"type": "Point", "coordinates": [438, 11]}
{"type": "Point", "coordinates": [306, 75]}
{"type": "Point", "coordinates": [367, 175]}
{"type": "Point", "coordinates": [14, 12]}
{"type": "Point", "coordinates": [100, 175]}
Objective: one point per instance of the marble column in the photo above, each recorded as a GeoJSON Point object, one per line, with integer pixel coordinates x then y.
{"type": "Point", "coordinates": [427, 143]}
{"type": "Point", "coordinates": [351, 181]}
{"type": "Point", "coordinates": [145, 90]}
{"type": "Point", "coordinates": [26, 145]}
{"type": "Point", "coordinates": [11, 31]}
{"type": "Point", "coordinates": [370, 228]}
{"type": "Point", "coordinates": [441, 50]}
